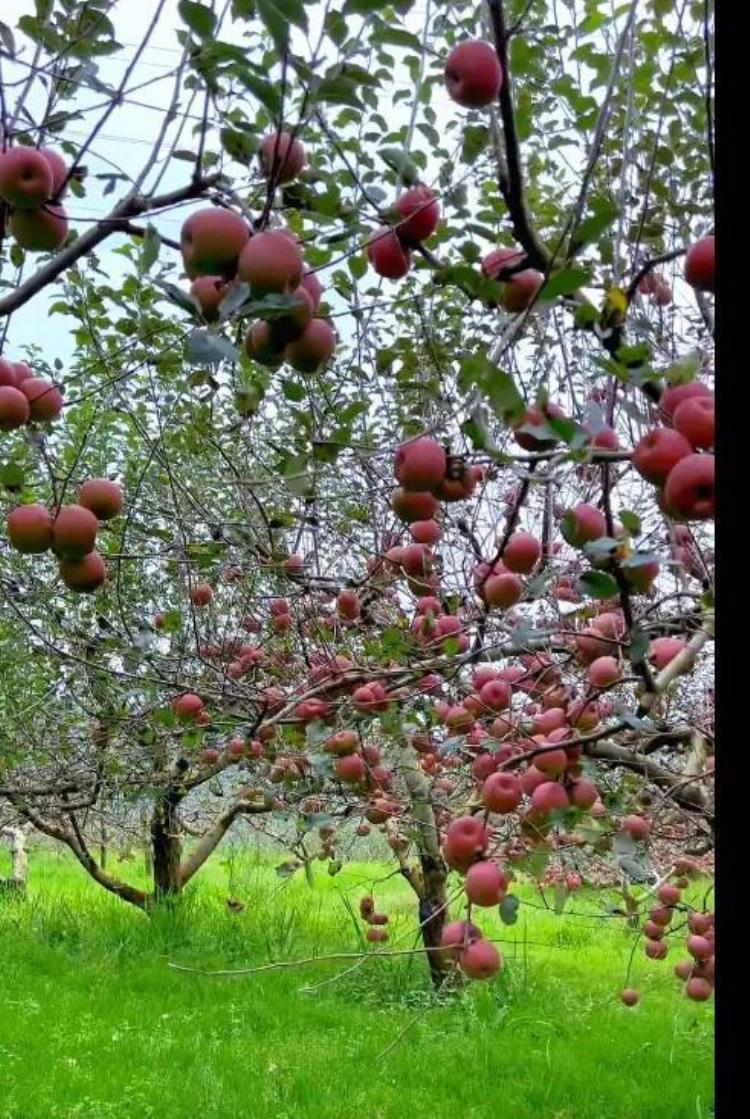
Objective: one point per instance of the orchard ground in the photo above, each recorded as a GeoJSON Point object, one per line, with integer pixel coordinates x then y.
{"type": "Point", "coordinates": [94, 1024]}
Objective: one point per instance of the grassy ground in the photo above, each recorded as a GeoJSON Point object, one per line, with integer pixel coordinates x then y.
{"type": "Point", "coordinates": [93, 1023]}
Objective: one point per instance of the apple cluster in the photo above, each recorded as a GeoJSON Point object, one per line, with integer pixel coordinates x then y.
{"type": "Point", "coordinates": [520, 286]}
{"type": "Point", "coordinates": [25, 398]}
{"type": "Point", "coordinates": [473, 79]}
{"type": "Point", "coordinates": [70, 532]}
{"type": "Point", "coordinates": [678, 457]}
{"type": "Point", "coordinates": [220, 250]}
{"type": "Point", "coordinates": [376, 933]}
{"type": "Point", "coordinates": [696, 972]}
{"type": "Point", "coordinates": [32, 181]}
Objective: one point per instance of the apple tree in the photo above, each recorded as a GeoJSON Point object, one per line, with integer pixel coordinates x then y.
{"type": "Point", "coordinates": [376, 490]}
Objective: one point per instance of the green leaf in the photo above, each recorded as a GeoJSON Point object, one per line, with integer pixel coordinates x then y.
{"type": "Point", "coordinates": [497, 385]}
{"type": "Point", "coordinates": [640, 559]}
{"type": "Point", "coordinates": [6, 35]}
{"type": "Point", "coordinates": [565, 282]}
{"type": "Point", "coordinates": [598, 584]}
{"type": "Point", "coordinates": [287, 869]}
{"type": "Point", "coordinates": [336, 27]}
{"type": "Point", "coordinates": [172, 621]}
{"type": "Point", "coordinates": [684, 370]}
{"type": "Point", "coordinates": [339, 90]}
{"type": "Point", "coordinates": [537, 862]}
{"type": "Point", "coordinates": [202, 347]}
{"type": "Point", "coordinates": [639, 645]}
{"type": "Point", "coordinates": [177, 295]}
{"type": "Point", "coordinates": [633, 357]}
{"type": "Point", "coordinates": [508, 909]}
{"type": "Point", "coordinates": [240, 145]}
{"type": "Point", "coordinates": [593, 549]}
{"type": "Point", "coordinates": [586, 314]}
{"type": "Point", "coordinates": [357, 266]}
{"type": "Point", "coordinates": [198, 17]}
{"type": "Point", "coordinates": [399, 161]}
{"type": "Point", "coordinates": [275, 21]}
{"type": "Point", "coordinates": [397, 37]}
{"type": "Point", "coordinates": [631, 521]}
{"type": "Point", "coordinates": [364, 7]}
{"type": "Point", "coordinates": [294, 11]}
{"type": "Point", "coordinates": [150, 247]}
{"type": "Point", "coordinates": [233, 300]}
{"type": "Point", "coordinates": [292, 390]}
{"type": "Point", "coordinates": [268, 93]}
{"type": "Point", "coordinates": [591, 228]}
{"type": "Point", "coordinates": [476, 139]}
{"type": "Point", "coordinates": [297, 476]}
{"type": "Point", "coordinates": [11, 476]}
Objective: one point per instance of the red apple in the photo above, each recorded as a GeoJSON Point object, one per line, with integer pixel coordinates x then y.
{"type": "Point", "coordinates": [419, 213]}
{"type": "Point", "coordinates": [473, 74]}
{"type": "Point", "coordinates": [282, 156]}
{"type": "Point", "coordinates": [700, 264]}
{"type": "Point", "coordinates": [689, 489]}
{"type": "Point", "coordinates": [657, 452]}
{"type": "Point", "coordinates": [387, 255]}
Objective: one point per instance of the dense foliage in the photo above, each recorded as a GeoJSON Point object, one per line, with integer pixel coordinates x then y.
{"type": "Point", "coordinates": [521, 680]}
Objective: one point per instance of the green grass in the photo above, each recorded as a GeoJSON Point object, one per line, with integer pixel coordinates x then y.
{"type": "Point", "coordinates": [93, 1023]}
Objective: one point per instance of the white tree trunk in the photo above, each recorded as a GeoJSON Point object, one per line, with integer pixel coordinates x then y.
{"type": "Point", "coordinates": [19, 855]}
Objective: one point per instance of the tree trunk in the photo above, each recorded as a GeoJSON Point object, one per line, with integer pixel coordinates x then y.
{"type": "Point", "coordinates": [432, 912]}
{"type": "Point", "coordinates": [19, 859]}
{"type": "Point", "coordinates": [103, 839]}
{"type": "Point", "coordinates": [166, 848]}
{"type": "Point", "coordinates": [428, 881]}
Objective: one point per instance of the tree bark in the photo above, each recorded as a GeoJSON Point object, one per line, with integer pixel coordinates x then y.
{"type": "Point", "coordinates": [429, 881]}
{"type": "Point", "coordinates": [166, 847]}
{"type": "Point", "coordinates": [210, 840]}
{"type": "Point", "coordinates": [19, 859]}
{"type": "Point", "coordinates": [432, 910]}
{"type": "Point", "coordinates": [103, 840]}
{"type": "Point", "coordinates": [73, 839]}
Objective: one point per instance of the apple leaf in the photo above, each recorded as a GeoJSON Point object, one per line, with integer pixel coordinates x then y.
{"type": "Point", "coordinates": [638, 648]}
{"type": "Point", "coordinates": [598, 584]}
{"type": "Point", "coordinates": [508, 909]}
{"type": "Point", "coordinates": [476, 139]}
{"type": "Point", "coordinates": [400, 162]}
{"type": "Point", "coordinates": [397, 37]}
{"type": "Point", "coordinates": [364, 7]}
{"type": "Point", "coordinates": [11, 476]}
{"type": "Point", "coordinates": [177, 295]}
{"type": "Point", "coordinates": [6, 35]}
{"type": "Point", "coordinates": [601, 547]}
{"type": "Point", "coordinates": [199, 18]}
{"type": "Point", "coordinates": [640, 559]}
{"type": "Point", "coordinates": [631, 521]}
{"type": "Point", "coordinates": [537, 862]}
{"type": "Point", "coordinates": [684, 370]}
{"type": "Point", "coordinates": [202, 347]}
{"type": "Point", "coordinates": [565, 282]}
{"type": "Point", "coordinates": [591, 228]}
{"type": "Point", "coordinates": [150, 247]}
{"type": "Point", "coordinates": [287, 869]}
{"type": "Point", "coordinates": [267, 93]}
{"type": "Point", "coordinates": [497, 385]}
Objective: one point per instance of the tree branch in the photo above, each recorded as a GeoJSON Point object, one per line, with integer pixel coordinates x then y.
{"type": "Point", "coordinates": [512, 188]}
{"type": "Point", "coordinates": [213, 837]}
{"type": "Point", "coordinates": [131, 206]}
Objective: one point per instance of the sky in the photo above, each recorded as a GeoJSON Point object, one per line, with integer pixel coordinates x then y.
{"type": "Point", "coordinates": [123, 143]}
{"type": "Point", "coordinates": [126, 139]}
